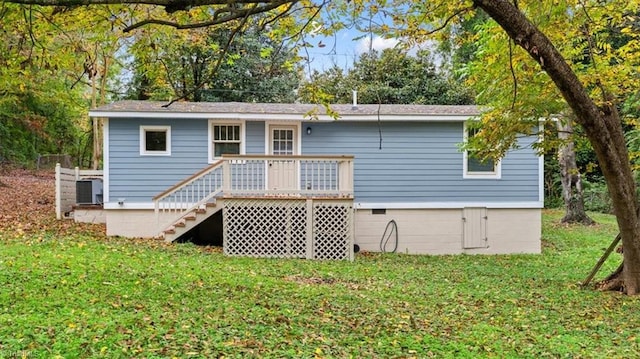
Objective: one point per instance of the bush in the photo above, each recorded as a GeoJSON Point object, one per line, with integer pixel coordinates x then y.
{"type": "Point", "coordinates": [596, 197]}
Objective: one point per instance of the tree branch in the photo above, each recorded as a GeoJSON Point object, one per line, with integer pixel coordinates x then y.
{"type": "Point", "coordinates": [234, 14]}
{"type": "Point", "coordinates": [218, 63]}
{"type": "Point", "coordinates": [172, 4]}
{"type": "Point", "coordinates": [447, 20]}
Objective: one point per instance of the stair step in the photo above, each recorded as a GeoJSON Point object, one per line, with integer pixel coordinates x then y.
{"type": "Point", "coordinates": [181, 224]}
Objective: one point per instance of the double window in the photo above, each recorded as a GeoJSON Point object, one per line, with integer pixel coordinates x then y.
{"type": "Point", "coordinates": [476, 167]}
{"type": "Point", "coordinates": [155, 140]}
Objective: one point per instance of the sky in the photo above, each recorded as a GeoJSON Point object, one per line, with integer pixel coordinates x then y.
{"type": "Point", "coordinates": [346, 46]}
{"type": "Point", "coordinates": [343, 48]}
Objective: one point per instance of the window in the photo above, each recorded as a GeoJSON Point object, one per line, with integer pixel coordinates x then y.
{"type": "Point", "coordinates": [475, 167]}
{"type": "Point", "coordinates": [226, 139]}
{"type": "Point", "coordinates": [155, 140]}
{"type": "Point", "coordinates": [282, 141]}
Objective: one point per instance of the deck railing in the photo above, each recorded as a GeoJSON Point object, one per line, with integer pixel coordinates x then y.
{"type": "Point", "coordinates": [258, 176]}
{"type": "Point", "coordinates": [306, 176]}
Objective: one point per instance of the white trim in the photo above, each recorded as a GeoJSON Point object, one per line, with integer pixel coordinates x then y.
{"type": "Point", "coordinates": [105, 160]}
{"type": "Point", "coordinates": [267, 138]}
{"type": "Point", "coordinates": [278, 117]}
{"type": "Point", "coordinates": [143, 148]}
{"type": "Point", "coordinates": [130, 205]}
{"type": "Point", "coordinates": [380, 205]}
{"type": "Point", "coordinates": [267, 143]}
{"type": "Point", "coordinates": [243, 136]}
{"type": "Point", "coordinates": [445, 205]}
{"type": "Point", "coordinates": [496, 174]}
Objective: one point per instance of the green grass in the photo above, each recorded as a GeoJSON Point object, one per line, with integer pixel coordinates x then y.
{"type": "Point", "coordinates": [77, 296]}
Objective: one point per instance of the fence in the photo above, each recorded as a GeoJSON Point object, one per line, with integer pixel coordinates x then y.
{"type": "Point", "coordinates": [66, 187]}
{"type": "Point", "coordinates": [50, 161]}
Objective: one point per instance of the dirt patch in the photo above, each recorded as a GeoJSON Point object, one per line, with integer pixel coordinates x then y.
{"type": "Point", "coordinates": [27, 205]}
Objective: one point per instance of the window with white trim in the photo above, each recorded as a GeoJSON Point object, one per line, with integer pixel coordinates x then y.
{"type": "Point", "coordinates": [225, 139]}
{"type": "Point", "coordinates": [155, 140]}
{"type": "Point", "coordinates": [475, 167]}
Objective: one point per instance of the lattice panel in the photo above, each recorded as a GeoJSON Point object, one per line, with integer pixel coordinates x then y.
{"type": "Point", "coordinates": [265, 228]}
{"type": "Point", "coordinates": [278, 228]}
{"type": "Point", "coordinates": [332, 230]}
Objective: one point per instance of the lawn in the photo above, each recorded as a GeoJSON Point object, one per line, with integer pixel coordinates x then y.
{"type": "Point", "coordinates": [81, 296]}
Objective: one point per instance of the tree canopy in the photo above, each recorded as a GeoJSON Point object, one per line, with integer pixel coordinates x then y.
{"type": "Point", "coordinates": [391, 76]}
{"type": "Point", "coordinates": [254, 67]}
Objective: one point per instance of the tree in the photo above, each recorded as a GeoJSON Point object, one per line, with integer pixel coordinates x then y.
{"type": "Point", "coordinates": [572, 190]}
{"type": "Point", "coordinates": [391, 76]}
{"type": "Point", "coordinates": [599, 118]}
{"type": "Point", "coordinates": [255, 67]}
{"type": "Point", "coordinates": [40, 109]}
{"type": "Point", "coordinates": [53, 64]}
{"type": "Point", "coordinates": [533, 99]}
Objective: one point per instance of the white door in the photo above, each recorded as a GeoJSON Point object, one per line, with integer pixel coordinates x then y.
{"type": "Point", "coordinates": [283, 174]}
{"type": "Point", "coordinates": [474, 228]}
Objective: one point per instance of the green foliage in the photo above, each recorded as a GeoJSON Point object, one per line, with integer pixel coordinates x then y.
{"type": "Point", "coordinates": [391, 76]}
{"type": "Point", "coordinates": [552, 181]}
{"type": "Point", "coordinates": [39, 123]}
{"type": "Point", "coordinates": [255, 67]}
{"type": "Point", "coordinates": [600, 40]}
{"type": "Point", "coordinates": [596, 194]}
{"type": "Point", "coordinates": [46, 57]}
{"type": "Point", "coordinates": [596, 197]}
{"type": "Point", "coordinates": [76, 296]}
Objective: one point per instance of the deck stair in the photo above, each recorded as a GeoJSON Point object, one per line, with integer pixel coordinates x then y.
{"type": "Point", "coordinates": [188, 203]}
{"type": "Point", "coordinates": [189, 221]}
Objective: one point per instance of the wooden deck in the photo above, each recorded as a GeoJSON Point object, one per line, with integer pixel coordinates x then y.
{"type": "Point", "coordinates": [266, 183]}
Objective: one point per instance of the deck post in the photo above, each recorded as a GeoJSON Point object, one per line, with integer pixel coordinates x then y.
{"type": "Point", "coordinates": [309, 229]}
{"type": "Point", "coordinates": [345, 177]}
{"type": "Point", "coordinates": [226, 178]}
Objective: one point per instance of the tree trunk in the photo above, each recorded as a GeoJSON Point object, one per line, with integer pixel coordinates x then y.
{"type": "Point", "coordinates": [602, 126]}
{"type": "Point", "coordinates": [570, 177]}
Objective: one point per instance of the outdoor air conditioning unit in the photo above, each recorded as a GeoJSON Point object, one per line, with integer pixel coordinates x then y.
{"type": "Point", "coordinates": [89, 191]}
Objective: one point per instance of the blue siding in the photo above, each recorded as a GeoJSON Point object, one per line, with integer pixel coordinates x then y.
{"type": "Point", "coordinates": [138, 178]}
{"type": "Point", "coordinates": [255, 138]}
{"type": "Point", "coordinates": [420, 162]}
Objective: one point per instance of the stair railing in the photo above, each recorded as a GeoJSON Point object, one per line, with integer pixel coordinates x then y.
{"type": "Point", "coordinates": [188, 195]}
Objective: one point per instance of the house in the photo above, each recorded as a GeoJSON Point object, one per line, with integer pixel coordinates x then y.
{"type": "Point", "coordinates": [287, 180]}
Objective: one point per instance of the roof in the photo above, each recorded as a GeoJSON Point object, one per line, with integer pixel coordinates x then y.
{"type": "Point", "coordinates": [282, 111]}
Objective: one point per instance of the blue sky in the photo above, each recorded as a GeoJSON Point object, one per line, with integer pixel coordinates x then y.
{"type": "Point", "coordinates": [343, 48]}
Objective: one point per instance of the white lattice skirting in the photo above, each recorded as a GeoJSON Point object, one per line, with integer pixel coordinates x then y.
{"type": "Point", "coordinates": [288, 228]}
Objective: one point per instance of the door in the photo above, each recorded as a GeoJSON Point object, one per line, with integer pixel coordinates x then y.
{"type": "Point", "coordinates": [474, 228]}
{"type": "Point", "coordinates": [283, 174]}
